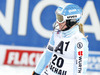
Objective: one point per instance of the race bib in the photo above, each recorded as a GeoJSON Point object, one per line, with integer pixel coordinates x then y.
{"type": "Point", "coordinates": [61, 65]}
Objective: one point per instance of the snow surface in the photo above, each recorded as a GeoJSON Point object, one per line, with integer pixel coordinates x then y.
{"type": "Point", "coordinates": [15, 70]}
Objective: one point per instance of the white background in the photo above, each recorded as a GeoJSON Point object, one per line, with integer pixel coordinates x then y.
{"type": "Point", "coordinates": [15, 70]}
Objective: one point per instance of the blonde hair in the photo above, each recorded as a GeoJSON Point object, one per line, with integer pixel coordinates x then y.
{"type": "Point", "coordinates": [81, 28]}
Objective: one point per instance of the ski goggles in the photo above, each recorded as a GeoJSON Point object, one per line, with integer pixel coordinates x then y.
{"type": "Point", "coordinates": [62, 18]}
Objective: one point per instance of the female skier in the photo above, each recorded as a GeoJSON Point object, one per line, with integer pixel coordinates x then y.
{"type": "Point", "coordinates": [67, 50]}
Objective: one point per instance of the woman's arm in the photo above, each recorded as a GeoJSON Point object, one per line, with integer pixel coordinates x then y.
{"type": "Point", "coordinates": [45, 58]}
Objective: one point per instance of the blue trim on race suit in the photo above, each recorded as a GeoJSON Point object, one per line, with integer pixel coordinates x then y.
{"type": "Point", "coordinates": [85, 56]}
{"type": "Point", "coordinates": [46, 56]}
{"type": "Point", "coordinates": [52, 40]}
{"type": "Point", "coordinates": [86, 47]}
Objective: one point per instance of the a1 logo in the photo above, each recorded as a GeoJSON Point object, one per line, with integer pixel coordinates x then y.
{"type": "Point", "coordinates": [61, 45]}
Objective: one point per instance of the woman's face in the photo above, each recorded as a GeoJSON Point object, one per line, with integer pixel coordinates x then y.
{"type": "Point", "coordinates": [62, 26]}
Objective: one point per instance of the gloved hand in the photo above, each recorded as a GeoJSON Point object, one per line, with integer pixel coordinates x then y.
{"type": "Point", "coordinates": [34, 73]}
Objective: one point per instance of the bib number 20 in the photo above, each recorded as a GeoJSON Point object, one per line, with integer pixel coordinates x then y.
{"type": "Point", "coordinates": [58, 61]}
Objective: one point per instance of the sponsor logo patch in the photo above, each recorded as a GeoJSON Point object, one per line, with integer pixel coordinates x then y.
{"type": "Point", "coordinates": [80, 53]}
{"type": "Point", "coordinates": [79, 45]}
